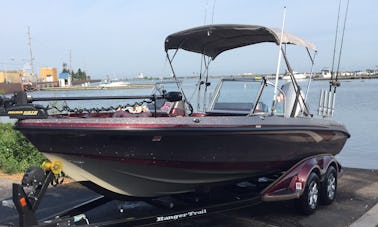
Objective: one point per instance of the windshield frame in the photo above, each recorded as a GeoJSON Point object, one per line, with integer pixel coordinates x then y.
{"type": "Point", "coordinates": [254, 101]}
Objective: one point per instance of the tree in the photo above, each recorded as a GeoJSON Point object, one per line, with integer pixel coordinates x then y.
{"type": "Point", "coordinates": [79, 75]}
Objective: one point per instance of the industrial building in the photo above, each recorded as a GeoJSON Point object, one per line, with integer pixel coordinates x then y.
{"type": "Point", "coordinates": [11, 76]}
{"type": "Point", "coordinates": [48, 74]}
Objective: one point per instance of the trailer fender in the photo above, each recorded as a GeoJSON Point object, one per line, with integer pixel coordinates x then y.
{"type": "Point", "coordinates": [291, 184]}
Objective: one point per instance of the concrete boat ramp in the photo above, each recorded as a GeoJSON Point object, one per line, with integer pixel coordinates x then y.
{"type": "Point", "coordinates": [356, 204]}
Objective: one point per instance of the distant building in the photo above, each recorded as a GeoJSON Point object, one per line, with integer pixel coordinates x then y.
{"type": "Point", "coordinates": [65, 80]}
{"type": "Point", "coordinates": [11, 76]}
{"type": "Point", "coordinates": [48, 74]}
{"type": "Point", "coordinates": [140, 76]}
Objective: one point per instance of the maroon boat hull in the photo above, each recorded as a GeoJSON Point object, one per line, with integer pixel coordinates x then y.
{"type": "Point", "coordinates": [157, 156]}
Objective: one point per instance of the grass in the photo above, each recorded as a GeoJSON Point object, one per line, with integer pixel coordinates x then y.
{"type": "Point", "coordinates": [16, 152]}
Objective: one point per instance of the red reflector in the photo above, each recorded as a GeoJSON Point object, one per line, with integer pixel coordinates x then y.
{"type": "Point", "coordinates": [23, 202]}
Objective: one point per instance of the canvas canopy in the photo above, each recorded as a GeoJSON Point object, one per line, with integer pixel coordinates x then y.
{"type": "Point", "coordinates": [211, 40]}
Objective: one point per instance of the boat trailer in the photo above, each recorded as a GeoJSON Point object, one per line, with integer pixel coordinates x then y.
{"type": "Point", "coordinates": [310, 182]}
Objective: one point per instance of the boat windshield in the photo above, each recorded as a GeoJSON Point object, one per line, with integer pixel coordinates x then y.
{"type": "Point", "coordinates": [239, 97]}
{"type": "Point", "coordinates": [165, 86]}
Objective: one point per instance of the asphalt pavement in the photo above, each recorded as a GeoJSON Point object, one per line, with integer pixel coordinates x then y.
{"type": "Point", "coordinates": [356, 204]}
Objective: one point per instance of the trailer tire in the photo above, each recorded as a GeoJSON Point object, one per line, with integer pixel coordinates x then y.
{"type": "Point", "coordinates": [309, 200]}
{"type": "Point", "coordinates": [329, 186]}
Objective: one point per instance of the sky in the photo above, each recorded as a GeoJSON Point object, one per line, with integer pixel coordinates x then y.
{"type": "Point", "coordinates": [118, 38]}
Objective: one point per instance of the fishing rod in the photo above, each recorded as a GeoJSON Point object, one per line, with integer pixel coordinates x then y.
{"type": "Point", "coordinates": [204, 67]}
{"type": "Point", "coordinates": [341, 45]}
{"type": "Point", "coordinates": [328, 99]}
{"type": "Point", "coordinates": [335, 43]}
{"type": "Point", "coordinates": [334, 76]}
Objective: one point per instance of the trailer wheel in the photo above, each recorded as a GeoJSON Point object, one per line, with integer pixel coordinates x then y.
{"type": "Point", "coordinates": [329, 186]}
{"type": "Point", "coordinates": [309, 200]}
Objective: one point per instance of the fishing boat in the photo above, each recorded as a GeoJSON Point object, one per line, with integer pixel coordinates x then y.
{"type": "Point", "coordinates": [114, 84]}
{"type": "Point", "coordinates": [297, 76]}
{"type": "Point", "coordinates": [162, 145]}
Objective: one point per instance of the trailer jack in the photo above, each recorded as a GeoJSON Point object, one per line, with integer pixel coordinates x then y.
{"type": "Point", "coordinates": [28, 195]}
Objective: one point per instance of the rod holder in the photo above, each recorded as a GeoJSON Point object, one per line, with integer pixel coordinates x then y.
{"type": "Point", "coordinates": [326, 103]}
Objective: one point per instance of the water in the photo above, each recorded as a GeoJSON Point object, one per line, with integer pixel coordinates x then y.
{"type": "Point", "coordinates": [356, 107]}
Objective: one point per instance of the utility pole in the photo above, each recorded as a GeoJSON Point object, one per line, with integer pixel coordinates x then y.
{"type": "Point", "coordinates": [30, 51]}
{"type": "Point", "coordinates": [70, 63]}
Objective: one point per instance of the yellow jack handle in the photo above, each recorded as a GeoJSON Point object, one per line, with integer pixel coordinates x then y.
{"type": "Point", "coordinates": [55, 167]}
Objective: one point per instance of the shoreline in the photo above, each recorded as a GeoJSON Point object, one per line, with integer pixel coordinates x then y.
{"type": "Point", "coordinates": [151, 85]}
{"type": "Point", "coordinates": [144, 86]}
{"type": "Point", "coordinates": [73, 88]}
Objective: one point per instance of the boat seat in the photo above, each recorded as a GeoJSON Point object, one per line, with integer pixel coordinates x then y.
{"type": "Point", "coordinates": [168, 109]}
{"type": "Point", "coordinates": [177, 109]}
{"type": "Point", "coordinates": [261, 108]}
{"type": "Point", "coordinates": [232, 106]}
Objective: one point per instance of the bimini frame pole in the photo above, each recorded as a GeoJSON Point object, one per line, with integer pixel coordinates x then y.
{"type": "Point", "coordinates": [204, 71]}
{"type": "Point", "coordinates": [311, 72]}
{"type": "Point", "coordinates": [174, 76]}
{"type": "Point", "coordinates": [199, 84]}
{"type": "Point", "coordinates": [170, 63]}
{"type": "Point", "coordinates": [297, 89]}
{"type": "Point", "coordinates": [207, 84]}
{"type": "Point", "coordinates": [278, 63]}
{"type": "Point", "coordinates": [173, 71]}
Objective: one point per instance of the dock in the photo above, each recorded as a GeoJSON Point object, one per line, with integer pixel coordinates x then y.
{"type": "Point", "coordinates": [356, 205]}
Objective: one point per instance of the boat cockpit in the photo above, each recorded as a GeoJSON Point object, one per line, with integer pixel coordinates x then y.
{"type": "Point", "coordinates": [232, 97]}
{"type": "Point", "coordinates": [246, 97]}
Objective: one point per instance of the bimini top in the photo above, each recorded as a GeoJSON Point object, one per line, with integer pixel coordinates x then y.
{"type": "Point", "coordinates": [211, 40]}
